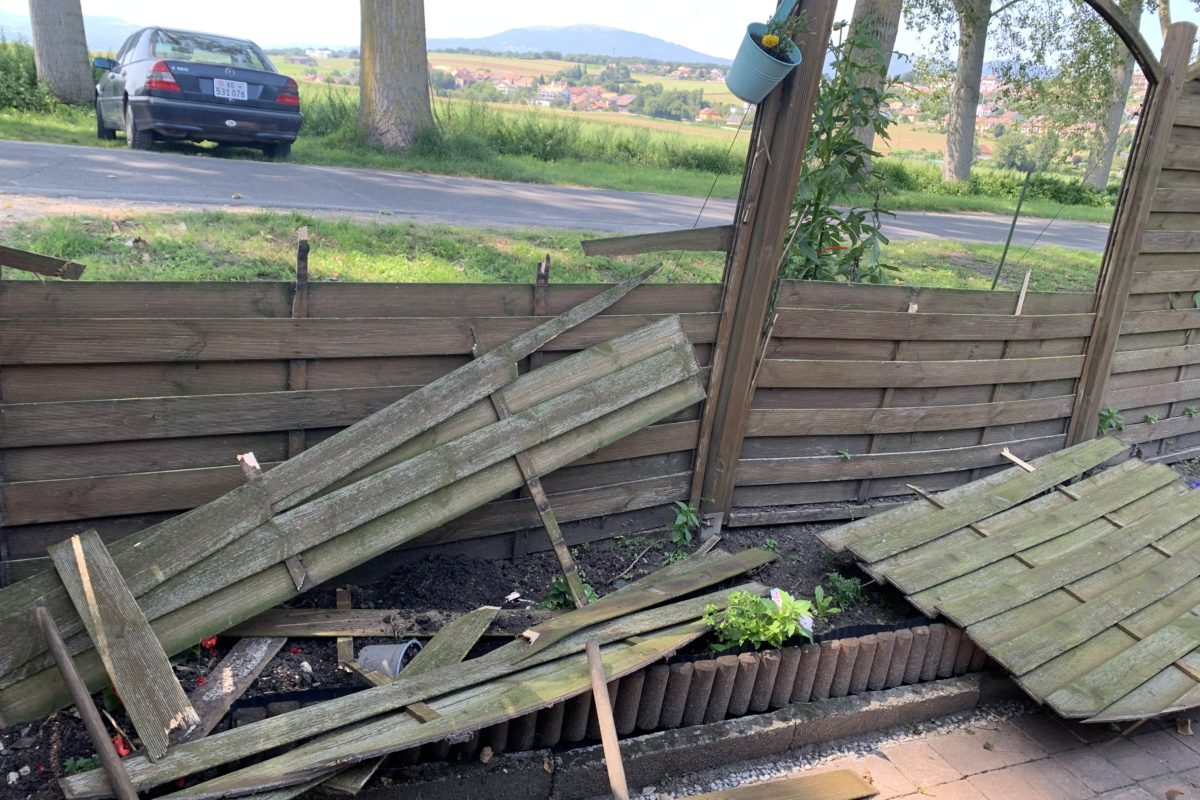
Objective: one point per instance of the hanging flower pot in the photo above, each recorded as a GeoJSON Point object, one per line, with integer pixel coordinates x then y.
{"type": "Point", "coordinates": [766, 56]}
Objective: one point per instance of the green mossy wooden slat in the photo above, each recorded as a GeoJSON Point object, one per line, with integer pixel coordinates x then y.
{"type": "Point", "coordinates": [1051, 575]}
{"type": "Point", "coordinates": [1060, 467]}
{"type": "Point", "coordinates": [1168, 690]}
{"type": "Point", "coordinates": [1094, 653]}
{"type": "Point", "coordinates": [451, 644]}
{"type": "Point", "coordinates": [1042, 643]}
{"type": "Point", "coordinates": [947, 564]}
{"type": "Point", "coordinates": [1100, 688]}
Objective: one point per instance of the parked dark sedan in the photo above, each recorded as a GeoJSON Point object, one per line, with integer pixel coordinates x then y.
{"type": "Point", "coordinates": [179, 85]}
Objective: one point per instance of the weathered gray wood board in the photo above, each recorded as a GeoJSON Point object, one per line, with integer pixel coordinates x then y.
{"type": "Point", "coordinates": [1088, 594]}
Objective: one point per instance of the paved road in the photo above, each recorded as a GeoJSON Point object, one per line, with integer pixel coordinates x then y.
{"type": "Point", "coordinates": [50, 170]}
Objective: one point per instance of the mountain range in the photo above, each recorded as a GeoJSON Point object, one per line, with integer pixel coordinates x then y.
{"type": "Point", "coordinates": [104, 34]}
{"type": "Point", "coordinates": [580, 39]}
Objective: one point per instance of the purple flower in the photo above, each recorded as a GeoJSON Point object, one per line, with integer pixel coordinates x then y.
{"type": "Point", "coordinates": [776, 598]}
{"type": "Point", "coordinates": [1194, 483]}
{"type": "Point", "coordinates": [806, 623]}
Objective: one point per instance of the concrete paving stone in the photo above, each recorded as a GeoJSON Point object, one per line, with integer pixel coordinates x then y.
{"type": "Point", "coordinates": [1093, 769]}
{"type": "Point", "coordinates": [1092, 733]}
{"type": "Point", "coordinates": [1008, 783]}
{"type": "Point", "coordinates": [1132, 759]}
{"type": "Point", "coordinates": [920, 763]}
{"type": "Point", "coordinates": [1053, 779]}
{"type": "Point", "coordinates": [877, 771]}
{"type": "Point", "coordinates": [1185, 788]}
{"type": "Point", "coordinates": [1164, 745]}
{"type": "Point", "coordinates": [1047, 732]}
{"type": "Point", "coordinates": [982, 749]}
{"type": "Point", "coordinates": [959, 790]}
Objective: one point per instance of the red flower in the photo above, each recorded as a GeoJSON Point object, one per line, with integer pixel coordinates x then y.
{"type": "Point", "coordinates": [296, 651]}
{"type": "Point", "coordinates": [209, 644]}
{"type": "Point", "coordinates": [201, 680]}
{"type": "Point", "coordinates": [119, 743]}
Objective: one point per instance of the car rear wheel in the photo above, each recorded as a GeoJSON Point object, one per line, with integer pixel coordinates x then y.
{"type": "Point", "coordinates": [137, 139]}
{"type": "Point", "coordinates": [278, 151]}
{"type": "Point", "coordinates": [103, 131]}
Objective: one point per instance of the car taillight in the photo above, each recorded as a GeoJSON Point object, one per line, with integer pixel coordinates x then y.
{"type": "Point", "coordinates": [160, 78]}
{"type": "Point", "coordinates": [289, 95]}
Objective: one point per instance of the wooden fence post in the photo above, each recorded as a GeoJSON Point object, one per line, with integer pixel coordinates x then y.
{"type": "Point", "coordinates": [1125, 236]}
{"type": "Point", "coordinates": [752, 271]}
{"type": "Point", "coordinates": [297, 372]}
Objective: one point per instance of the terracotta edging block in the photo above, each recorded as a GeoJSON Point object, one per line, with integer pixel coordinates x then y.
{"type": "Point", "coordinates": [653, 689]}
{"type": "Point", "coordinates": [575, 719]}
{"type": "Point", "coordinates": [904, 644]}
{"type": "Point", "coordinates": [496, 737]}
{"type": "Point", "coordinates": [966, 652]}
{"type": "Point", "coordinates": [625, 713]}
{"type": "Point", "coordinates": [703, 673]}
{"type": "Point", "coordinates": [722, 688]}
{"type": "Point", "coordinates": [826, 666]}
{"type": "Point", "coordinates": [949, 652]}
{"type": "Point", "coordinates": [933, 653]}
{"type": "Point", "coordinates": [806, 673]}
{"type": "Point", "coordinates": [764, 684]}
{"type": "Point", "coordinates": [675, 698]}
{"type": "Point", "coordinates": [785, 679]}
{"type": "Point", "coordinates": [885, 644]}
{"type": "Point", "coordinates": [521, 732]}
{"type": "Point", "coordinates": [847, 658]}
{"type": "Point", "coordinates": [550, 725]}
{"type": "Point", "coordinates": [864, 664]}
{"type": "Point", "coordinates": [747, 673]}
{"type": "Point", "coordinates": [593, 726]}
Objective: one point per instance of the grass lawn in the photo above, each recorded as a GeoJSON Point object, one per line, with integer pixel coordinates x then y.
{"type": "Point", "coordinates": [199, 246]}
{"type": "Point", "coordinates": [1033, 207]}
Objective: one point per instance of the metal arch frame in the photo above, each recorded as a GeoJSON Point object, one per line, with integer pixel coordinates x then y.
{"type": "Point", "coordinates": [1131, 36]}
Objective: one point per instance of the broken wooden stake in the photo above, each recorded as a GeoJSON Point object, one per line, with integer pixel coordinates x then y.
{"type": "Point", "coordinates": [227, 682]}
{"type": "Point", "coordinates": [345, 644]}
{"type": "Point", "coordinates": [608, 726]}
{"type": "Point", "coordinates": [118, 778]}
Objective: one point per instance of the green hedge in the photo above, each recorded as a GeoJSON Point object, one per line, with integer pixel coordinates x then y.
{"type": "Point", "coordinates": [19, 88]}
{"type": "Point", "coordinates": [927, 178]}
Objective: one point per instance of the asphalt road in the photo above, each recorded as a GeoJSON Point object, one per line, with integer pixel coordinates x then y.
{"type": "Point", "coordinates": [61, 171]}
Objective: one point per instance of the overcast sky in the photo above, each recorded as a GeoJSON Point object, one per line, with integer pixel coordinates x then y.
{"type": "Point", "coordinates": [714, 27]}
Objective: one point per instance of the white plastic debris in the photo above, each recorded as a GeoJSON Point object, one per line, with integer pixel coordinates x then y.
{"type": "Point", "coordinates": [13, 778]}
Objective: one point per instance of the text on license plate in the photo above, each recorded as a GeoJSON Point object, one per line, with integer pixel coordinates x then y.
{"type": "Point", "coordinates": [234, 90]}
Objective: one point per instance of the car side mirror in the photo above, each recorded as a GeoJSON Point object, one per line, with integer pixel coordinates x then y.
{"type": "Point", "coordinates": [100, 62]}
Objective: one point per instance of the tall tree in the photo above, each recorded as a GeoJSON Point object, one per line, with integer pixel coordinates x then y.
{"type": "Point", "coordinates": [60, 49]}
{"type": "Point", "coordinates": [1108, 129]}
{"type": "Point", "coordinates": [393, 105]}
{"type": "Point", "coordinates": [878, 21]}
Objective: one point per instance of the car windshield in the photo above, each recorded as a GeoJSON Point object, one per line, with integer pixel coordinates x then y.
{"type": "Point", "coordinates": [206, 49]}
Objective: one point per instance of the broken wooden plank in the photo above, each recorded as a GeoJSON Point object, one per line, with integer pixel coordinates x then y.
{"type": "Point", "coordinates": [608, 726]}
{"type": "Point", "coordinates": [345, 644]}
{"type": "Point", "coordinates": [451, 644]}
{"type": "Point", "coordinates": [397, 623]}
{"type": "Point", "coordinates": [244, 662]}
{"type": "Point", "coordinates": [648, 591]}
{"type": "Point", "coordinates": [118, 778]}
{"type": "Point", "coordinates": [132, 656]}
{"type": "Point", "coordinates": [40, 264]}
{"type": "Point", "coordinates": [840, 784]}
{"type": "Point", "coordinates": [231, 745]}
{"type": "Point", "coordinates": [716, 237]}
{"type": "Point", "coordinates": [167, 549]}
{"type": "Point", "coordinates": [506, 698]}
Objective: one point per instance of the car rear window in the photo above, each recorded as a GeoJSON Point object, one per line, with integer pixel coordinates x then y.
{"type": "Point", "coordinates": [206, 49]}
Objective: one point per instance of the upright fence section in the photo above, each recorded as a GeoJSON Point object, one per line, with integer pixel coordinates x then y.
{"type": "Point", "coordinates": [865, 390]}
{"type": "Point", "coordinates": [127, 402]}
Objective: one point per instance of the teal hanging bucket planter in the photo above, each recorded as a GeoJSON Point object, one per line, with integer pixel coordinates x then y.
{"type": "Point", "coordinates": [755, 72]}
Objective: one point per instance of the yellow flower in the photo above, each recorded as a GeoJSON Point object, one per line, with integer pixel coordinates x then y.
{"type": "Point", "coordinates": [770, 40]}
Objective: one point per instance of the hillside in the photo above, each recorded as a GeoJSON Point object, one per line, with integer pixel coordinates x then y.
{"type": "Point", "coordinates": [580, 39]}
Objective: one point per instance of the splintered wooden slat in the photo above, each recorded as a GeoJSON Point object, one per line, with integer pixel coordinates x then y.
{"type": "Point", "coordinates": [39, 264]}
{"type": "Point", "coordinates": [500, 700]}
{"type": "Point", "coordinates": [1102, 687]}
{"type": "Point", "coordinates": [247, 740]}
{"type": "Point", "coordinates": [1058, 468]}
{"type": "Point", "coordinates": [841, 537]}
{"type": "Point", "coordinates": [649, 591]}
{"type": "Point", "coordinates": [840, 784]}
{"type": "Point", "coordinates": [328, 622]}
{"type": "Point", "coordinates": [451, 644]}
{"type": "Point", "coordinates": [244, 662]}
{"type": "Point", "coordinates": [349, 781]}
{"type": "Point", "coordinates": [942, 566]}
{"type": "Point", "coordinates": [1038, 645]}
{"type": "Point", "coordinates": [1050, 575]}
{"type": "Point", "coordinates": [717, 237]}
{"type": "Point", "coordinates": [128, 647]}
{"type": "Point", "coordinates": [345, 644]}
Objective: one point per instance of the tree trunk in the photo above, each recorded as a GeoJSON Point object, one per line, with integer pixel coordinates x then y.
{"type": "Point", "coordinates": [973, 18]}
{"type": "Point", "coordinates": [881, 20]}
{"type": "Point", "coordinates": [1164, 15]}
{"type": "Point", "coordinates": [60, 49]}
{"type": "Point", "coordinates": [393, 104]}
{"type": "Point", "coordinates": [1104, 143]}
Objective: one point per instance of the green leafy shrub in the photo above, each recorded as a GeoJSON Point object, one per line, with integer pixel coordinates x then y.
{"type": "Point", "coordinates": [844, 592]}
{"type": "Point", "coordinates": [1110, 420]}
{"type": "Point", "coordinates": [558, 596]}
{"type": "Point", "coordinates": [823, 605]}
{"type": "Point", "coordinates": [686, 521]}
{"type": "Point", "coordinates": [759, 621]}
{"type": "Point", "coordinates": [19, 87]}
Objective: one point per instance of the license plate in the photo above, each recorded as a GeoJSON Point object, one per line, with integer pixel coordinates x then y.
{"type": "Point", "coordinates": [233, 90]}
